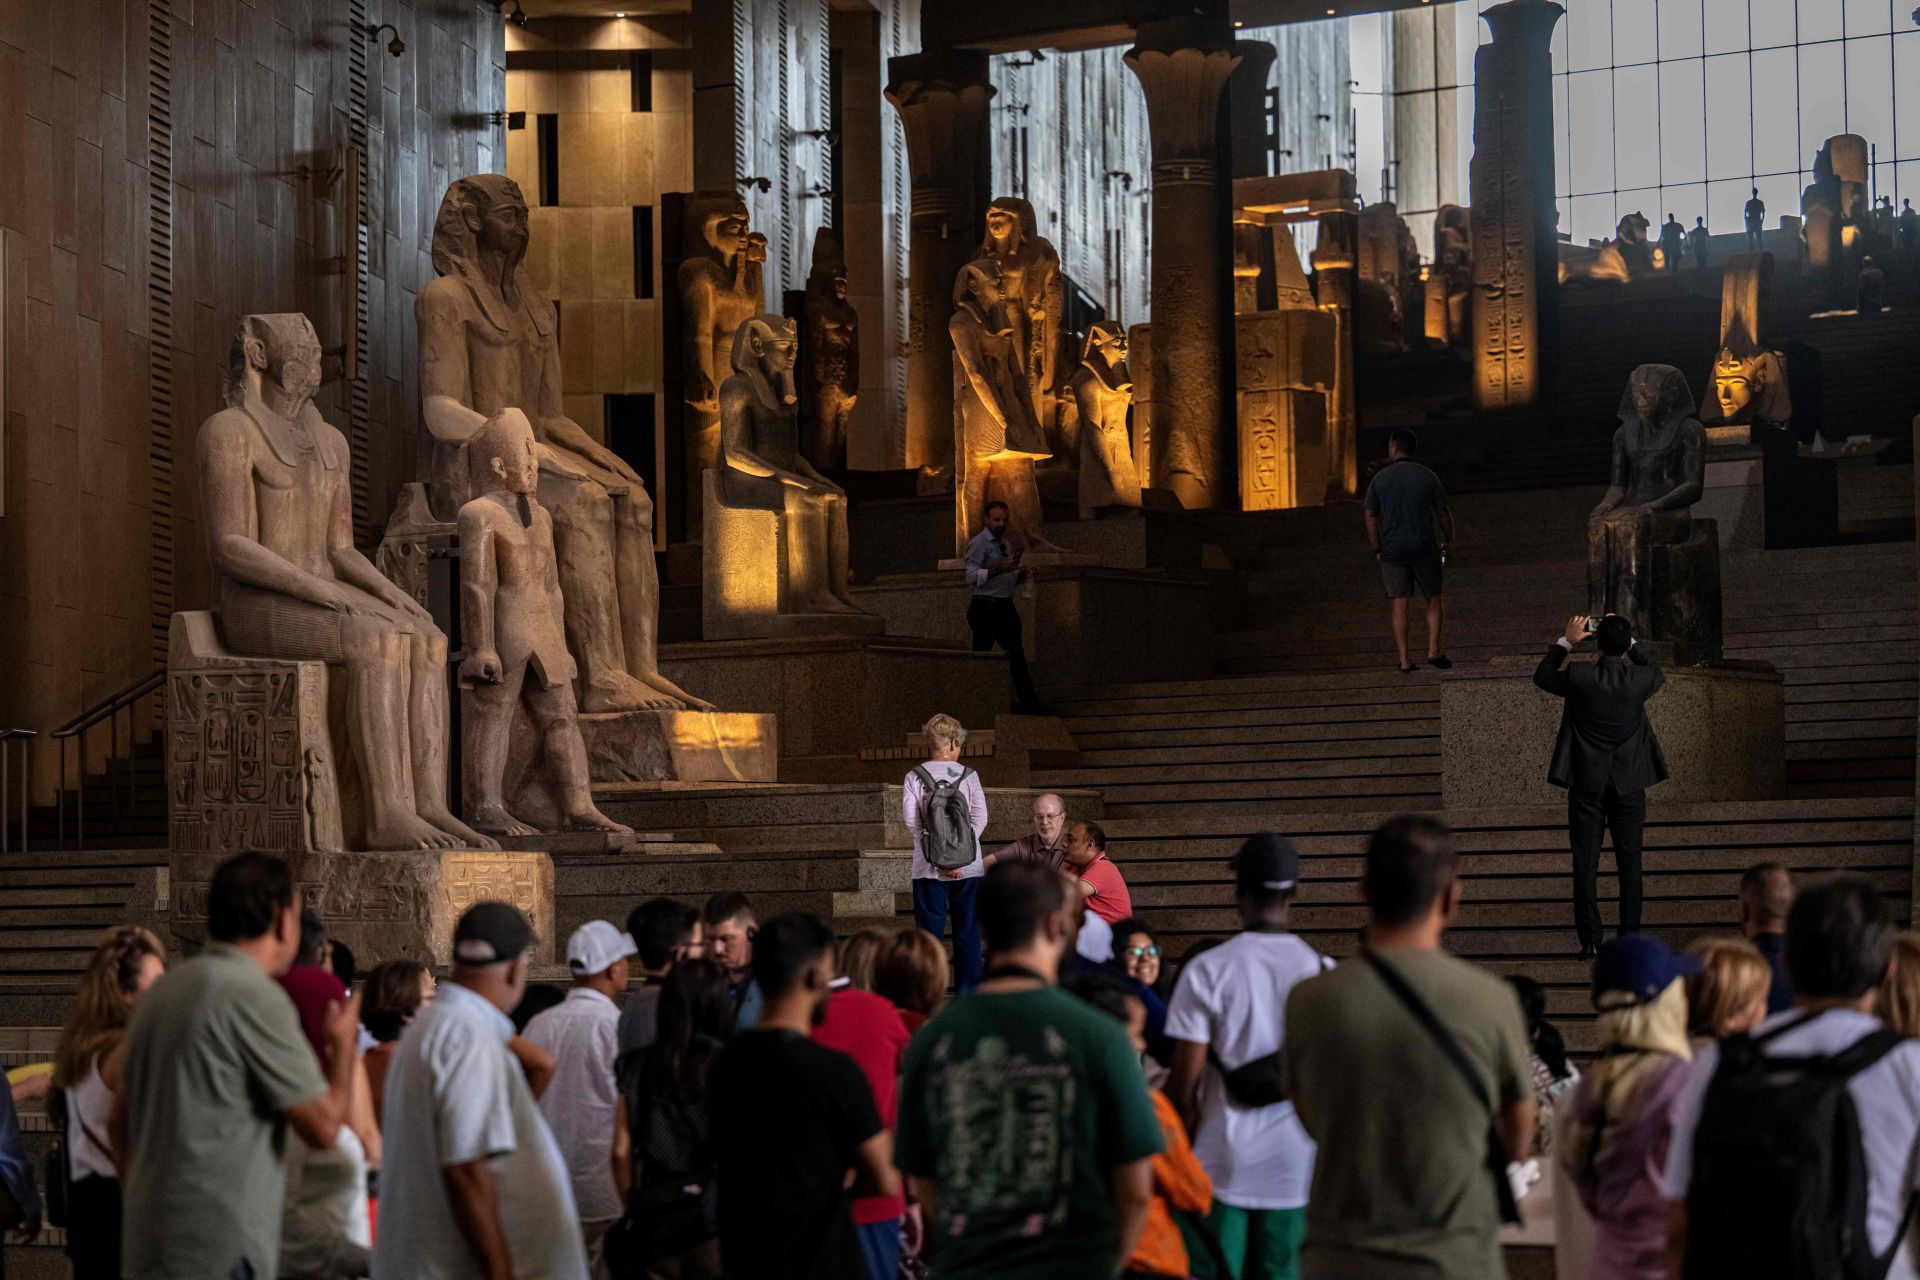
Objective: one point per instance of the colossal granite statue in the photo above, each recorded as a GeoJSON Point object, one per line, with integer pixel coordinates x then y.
{"type": "Point", "coordinates": [776, 547]}
{"type": "Point", "coordinates": [832, 378]}
{"type": "Point", "coordinates": [1834, 212]}
{"type": "Point", "coordinates": [996, 437]}
{"type": "Point", "coordinates": [1749, 380]}
{"type": "Point", "coordinates": [720, 286]}
{"type": "Point", "coordinates": [486, 344]}
{"type": "Point", "coordinates": [1658, 473]}
{"type": "Point", "coordinates": [1036, 298]}
{"type": "Point", "coordinates": [512, 623]}
{"type": "Point", "coordinates": [289, 584]}
{"type": "Point", "coordinates": [1449, 285]}
{"type": "Point", "coordinates": [1102, 389]}
{"type": "Point", "coordinates": [1389, 280]}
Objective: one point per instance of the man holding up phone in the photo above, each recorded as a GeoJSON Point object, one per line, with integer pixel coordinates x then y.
{"type": "Point", "coordinates": [1606, 758]}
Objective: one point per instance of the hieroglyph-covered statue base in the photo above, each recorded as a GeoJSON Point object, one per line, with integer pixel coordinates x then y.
{"type": "Point", "coordinates": [250, 763]}
{"type": "Point", "coordinates": [389, 906]}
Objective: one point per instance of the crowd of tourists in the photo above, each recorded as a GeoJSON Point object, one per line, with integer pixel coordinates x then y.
{"type": "Point", "coordinates": [718, 1095]}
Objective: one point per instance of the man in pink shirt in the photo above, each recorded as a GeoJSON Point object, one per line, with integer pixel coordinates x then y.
{"type": "Point", "coordinates": [1100, 880]}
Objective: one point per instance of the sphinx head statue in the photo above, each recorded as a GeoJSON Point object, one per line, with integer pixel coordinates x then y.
{"type": "Point", "coordinates": [486, 210]}
{"type": "Point", "coordinates": [281, 349]}
{"type": "Point", "coordinates": [501, 455]}
{"type": "Point", "coordinates": [1733, 385]}
{"type": "Point", "coordinates": [764, 349]}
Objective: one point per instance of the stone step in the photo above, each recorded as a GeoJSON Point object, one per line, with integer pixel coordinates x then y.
{"type": "Point", "coordinates": [1155, 735]}
{"type": "Point", "coordinates": [1114, 781]}
{"type": "Point", "coordinates": [1096, 763]}
{"type": "Point", "coordinates": [1355, 715]}
{"type": "Point", "coordinates": [1086, 714]}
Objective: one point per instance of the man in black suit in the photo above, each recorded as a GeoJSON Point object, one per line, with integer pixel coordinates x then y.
{"type": "Point", "coordinates": [1606, 758]}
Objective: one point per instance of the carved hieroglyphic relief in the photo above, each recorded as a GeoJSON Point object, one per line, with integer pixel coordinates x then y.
{"type": "Point", "coordinates": [248, 761]}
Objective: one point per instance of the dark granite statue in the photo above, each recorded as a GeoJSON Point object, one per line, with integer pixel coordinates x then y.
{"type": "Point", "coordinates": [1647, 559]}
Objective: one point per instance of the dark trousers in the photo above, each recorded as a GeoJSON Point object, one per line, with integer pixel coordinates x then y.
{"type": "Point", "coordinates": [932, 900]}
{"type": "Point", "coordinates": [1589, 815]}
{"type": "Point", "coordinates": [996, 621]}
{"type": "Point", "coordinates": [93, 1243]}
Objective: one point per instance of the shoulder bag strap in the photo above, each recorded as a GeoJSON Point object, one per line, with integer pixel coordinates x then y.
{"type": "Point", "coordinates": [1450, 1050]}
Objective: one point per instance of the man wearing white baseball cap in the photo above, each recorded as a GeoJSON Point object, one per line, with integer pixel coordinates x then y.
{"type": "Point", "coordinates": [582, 1033]}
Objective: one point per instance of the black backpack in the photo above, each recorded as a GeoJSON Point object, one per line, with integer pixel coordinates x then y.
{"type": "Point", "coordinates": [1779, 1187]}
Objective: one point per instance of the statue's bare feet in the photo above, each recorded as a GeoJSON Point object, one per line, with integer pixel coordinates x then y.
{"type": "Point", "coordinates": [459, 830]}
{"type": "Point", "coordinates": [618, 691]}
{"type": "Point", "coordinates": [496, 819]}
{"type": "Point", "coordinates": [409, 831]}
{"type": "Point", "coordinates": [679, 697]}
{"type": "Point", "coordinates": [591, 819]}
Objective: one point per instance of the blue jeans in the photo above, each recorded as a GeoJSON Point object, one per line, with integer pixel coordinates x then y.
{"type": "Point", "coordinates": [932, 900]}
{"type": "Point", "coordinates": [880, 1246]}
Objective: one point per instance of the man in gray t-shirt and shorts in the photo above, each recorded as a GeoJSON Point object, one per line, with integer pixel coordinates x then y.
{"type": "Point", "coordinates": [1410, 527]}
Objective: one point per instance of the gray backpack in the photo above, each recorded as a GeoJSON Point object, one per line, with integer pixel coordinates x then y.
{"type": "Point", "coordinates": [946, 823]}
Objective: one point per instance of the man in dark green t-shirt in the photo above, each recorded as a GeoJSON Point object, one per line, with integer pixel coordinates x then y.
{"type": "Point", "coordinates": [1025, 1125]}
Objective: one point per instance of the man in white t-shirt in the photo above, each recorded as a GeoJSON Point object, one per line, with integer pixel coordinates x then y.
{"type": "Point", "coordinates": [1839, 945]}
{"type": "Point", "coordinates": [1228, 1013]}
{"type": "Point", "coordinates": [582, 1033]}
{"type": "Point", "coordinates": [473, 1184]}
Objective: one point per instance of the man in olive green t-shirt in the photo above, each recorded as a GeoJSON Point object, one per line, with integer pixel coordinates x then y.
{"type": "Point", "coordinates": [217, 1070]}
{"type": "Point", "coordinates": [1025, 1125]}
{"type": "Point", "coordinates": [1402, 1186]}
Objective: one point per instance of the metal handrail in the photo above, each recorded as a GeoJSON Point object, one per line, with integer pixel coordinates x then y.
{"type": "Point", "coordinates": [107, 709]}
{"type": "Point", "coordinates": [26, 772]}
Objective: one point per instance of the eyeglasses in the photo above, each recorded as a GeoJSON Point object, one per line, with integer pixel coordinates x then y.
{"type": "Point", "coordinates": [1139, 953]}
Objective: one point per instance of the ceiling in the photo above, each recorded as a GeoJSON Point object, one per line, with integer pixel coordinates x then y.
{"type": "Point", "coordinates": [1254, 13]}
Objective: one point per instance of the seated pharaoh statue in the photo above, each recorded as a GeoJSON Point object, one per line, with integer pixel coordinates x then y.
{"type": "Point", "coordinates": [996, 436]}
{"type": "Point", "coordinates": [776, 529]}
{"type": "Point", "coordinates": [289, 585]}
{"type": "Point", "coordinates": [1648, 559]}
{"type": "Point", "coordinates": [488, 344]}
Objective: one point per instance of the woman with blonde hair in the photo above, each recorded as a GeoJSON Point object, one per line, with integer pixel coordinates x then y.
{"type": "Point", "coordinates": [911, 971]}
{"type": "Point", "coordinates": [1900, 994]}
{"type": "Point", "coordinates": [86, 1074]}
{"type": "Point", "coordinates": [945, 810]}
{"type": "Point", "coordinates": [857, 955]}
{"type": "Point", "coordinates": [1729, 993]}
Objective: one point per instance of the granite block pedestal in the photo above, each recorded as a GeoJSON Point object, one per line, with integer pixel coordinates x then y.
{"type": "Point", "coordinates": [1722, 729]}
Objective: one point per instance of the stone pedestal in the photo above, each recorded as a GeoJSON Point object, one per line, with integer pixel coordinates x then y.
{"type": "Point", "coordinates": [942, 98]}
{"type": "Point", "coordinates": [1183, 65]}
{"type": "Point", "coordinates": [834, 695]}
{"type": "Point", "coordinates": [1722, 729]}
{"type": "Point", "coordinates": [1516, 307]}
{"type": "Point", "coordinates": [389, 905]}
{"type": "Point", "coordinates": [757, 571]}
{"type": "Point", "coordinates": [682, 746]}
{"type": "Point", "coordinates": [1286, 364]}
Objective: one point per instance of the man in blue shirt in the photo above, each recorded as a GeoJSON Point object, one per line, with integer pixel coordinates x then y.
{"type": "Point", "coordinates": [1405, 509]}
{"type": "Point", "coordinates": [993, 570]}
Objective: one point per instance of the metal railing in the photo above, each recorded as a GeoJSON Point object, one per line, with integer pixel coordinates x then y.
{"type": "Point", "coordinates": [7, 738]}
{"type": "Point", "coordinates": [77, 729]}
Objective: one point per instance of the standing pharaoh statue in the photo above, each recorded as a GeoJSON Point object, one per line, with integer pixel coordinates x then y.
{"type": "Point", "coordinates": [832, 378]}
{"type": "Point", "coordinates": [720, 287]}
{"type": "Point", "coordinates": [289, 584]}
{"type": "Point", "coordinates": [1658, 474]}
{"type": "Point", "coordinates": [512, 622]}
{"type": "Point", "coordinates": [488, 344]}
{"type": "Point", "coordinates": [795, 580]}
{"type": "Point", "coordinates": [1103, 389]}
{"type": "Point", "coordinates": [996, 437]}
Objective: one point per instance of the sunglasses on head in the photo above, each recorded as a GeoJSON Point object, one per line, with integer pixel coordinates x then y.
{"type": "Point", "coordinates": [1140, 952]}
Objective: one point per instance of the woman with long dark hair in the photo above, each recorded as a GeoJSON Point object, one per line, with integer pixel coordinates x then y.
{"type": "Point", "coordinates": [86, 1073]}
{"type": "Point", "coordinates": [663, 1153]}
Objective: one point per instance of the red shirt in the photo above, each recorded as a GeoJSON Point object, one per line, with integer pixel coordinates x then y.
{"type": "Point", "coordinates": [1110, 900]}
{"type": "Point", "coordinates": [868, 1029]}
{"type": "Point", "coordinates": [313, 991]}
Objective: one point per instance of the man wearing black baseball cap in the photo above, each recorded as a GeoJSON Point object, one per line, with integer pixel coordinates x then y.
{"type": "Point", "coordinates": [1227, 1020]}
{"type": "Point", "coordinates": [473, 1183]}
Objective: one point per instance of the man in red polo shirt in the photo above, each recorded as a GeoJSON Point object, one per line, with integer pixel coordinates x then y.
{"type": "Point", "coordinates": [1100, 880]}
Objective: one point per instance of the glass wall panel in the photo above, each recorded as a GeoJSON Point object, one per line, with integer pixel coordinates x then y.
{"type": "Point", "coordinates": [1906, 95]}
{"type": "Point", "coordinates": [1774, 22]}
{"type": "Point", "coordinates": [1727, 205]}
{"type": "Point", "coordinates": [1635, 32]}
{"type": "Point", "coordinates": [1869, 17]}
{"type": "Point", "coordinates": [1726, 25]}
{"type": "Point", "coordinates": [1592, 218]}
{"type": "Point", "coordinates": [1680, 30]}
{"type": "Point", "coordinates": [1729, 116]}
{"type": "Point", "coordinates": [1870, 92]}
{"type": "Point", "coordinates": [1685, 202]}
{"type": "Point", "coordinates": [1590, 132]}
{"type": "Point", "coordinates": [1589, 35]}
{"type": "Point", "coordinates": [1683, 123]}
{"type": "Point", "coordinates": [1636, 151]}
{"type": "Point", "coordinates": [1776, 124]}
{"type": "Point", "coordinates": [1819, 19]}
{"type": "Point", "coordinates": [1823, 103]}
